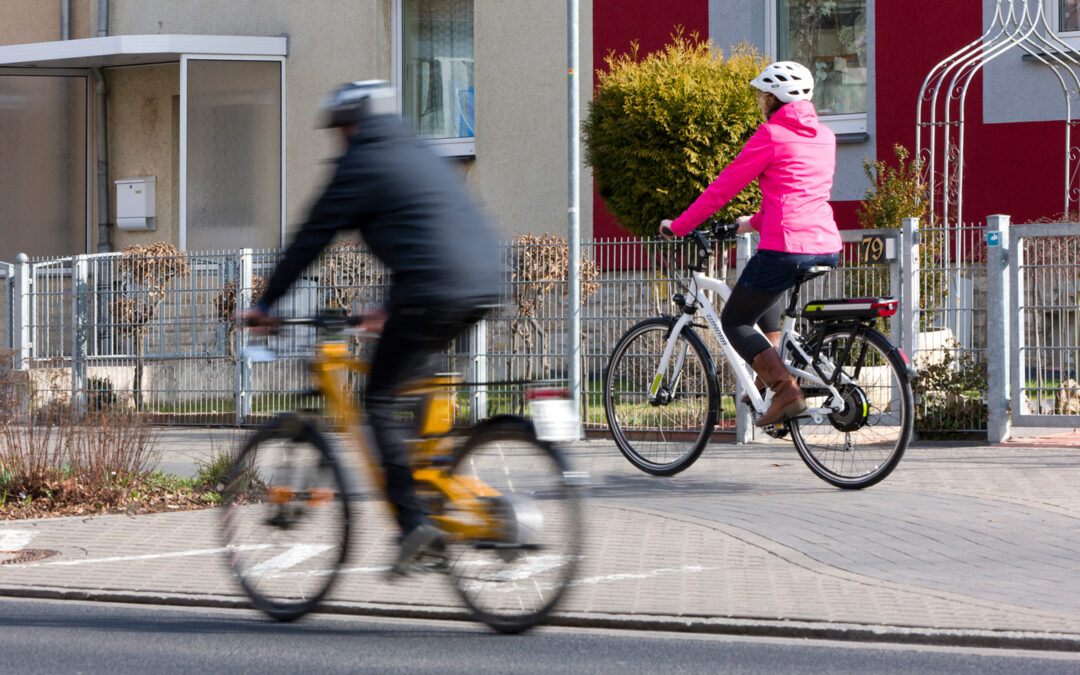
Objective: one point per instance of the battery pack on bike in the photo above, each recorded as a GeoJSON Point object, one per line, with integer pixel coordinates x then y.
{"type": "Point", "coordinates": [850, 308]}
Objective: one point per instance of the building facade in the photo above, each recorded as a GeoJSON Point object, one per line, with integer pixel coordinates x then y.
{"type": "Point", "coordinates": [212, 106]}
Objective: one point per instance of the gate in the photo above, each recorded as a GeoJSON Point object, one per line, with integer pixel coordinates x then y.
{"type": "Point", "coordinates": [1044, 275]}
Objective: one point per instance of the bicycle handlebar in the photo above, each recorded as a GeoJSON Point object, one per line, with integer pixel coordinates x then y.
{"type": "Point", "coordinates": [719, 231]}
{"type": "Point", "coordinates": [321, 321]}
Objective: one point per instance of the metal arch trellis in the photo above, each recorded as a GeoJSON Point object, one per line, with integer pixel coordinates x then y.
{"type": "Point", "coordinates": [940, 116]}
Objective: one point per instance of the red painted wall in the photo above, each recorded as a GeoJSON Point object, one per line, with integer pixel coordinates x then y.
{"type": "Point", "coordinates": [617, 23]}
{"type": "Point", "coordinates": [1015, 169]}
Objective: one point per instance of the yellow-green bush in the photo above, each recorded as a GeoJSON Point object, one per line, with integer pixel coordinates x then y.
{"type": "Point", "coordinates": [659, 130]}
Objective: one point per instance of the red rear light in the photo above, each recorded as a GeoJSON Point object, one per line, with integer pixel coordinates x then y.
{"type": "Point", "coordinates": [542, 393]}
{"type": "Point", "coordinates": [885, 308]}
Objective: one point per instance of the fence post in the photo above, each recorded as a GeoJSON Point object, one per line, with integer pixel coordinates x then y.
{"type": "Point", "coordinates": [22, 333]}
{"type": "Point", "coordinates": [9, 304]}
{"type": "Point", "coordinates": [244, 288]}
{"type": "Point", "coordinates": [909, 286]}
{"type": "Point", "coordinates": [998, 281]}
{"type": "Point", "coordinates": [744, 423]}
{"type": "Point", "coordinates": [478, 375]}
{"type": "Point", "coordinates": [80, 318]}
{"type": "Point", "coordinates": [896, 280]}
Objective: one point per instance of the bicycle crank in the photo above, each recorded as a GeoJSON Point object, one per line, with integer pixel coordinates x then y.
{"type": "Point", "coordinates": [521, 525]}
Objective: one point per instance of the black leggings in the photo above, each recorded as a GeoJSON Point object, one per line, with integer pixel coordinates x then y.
{"type": "Point", "coordinates": [744, 309]}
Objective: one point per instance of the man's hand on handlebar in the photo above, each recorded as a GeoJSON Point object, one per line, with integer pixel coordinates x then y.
{"type": "Point", "coordinates": [665, 229]}
{"type": "Point", "coordinates": [743, 225]}
{"type": "Point", "coordinates": [374, 320]}
{"type": "Point", "coordinates": [259, 322]}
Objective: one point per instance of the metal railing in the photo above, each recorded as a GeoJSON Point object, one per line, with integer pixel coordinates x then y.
{"type": "Point", "coordinates": [158, 334]}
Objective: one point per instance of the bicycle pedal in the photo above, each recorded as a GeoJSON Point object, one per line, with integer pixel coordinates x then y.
{"type": "Point", "coordinates": [776, 431]}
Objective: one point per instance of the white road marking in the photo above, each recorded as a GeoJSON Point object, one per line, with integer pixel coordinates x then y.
{"type": "Point", "coordinates": [641, 575]}
{"type": "Point", "coordinates": [149, 556]}
{"type": "Point", "coordinates": [14, 540]}
{"type": "Point", "coordinates": [296, 554]}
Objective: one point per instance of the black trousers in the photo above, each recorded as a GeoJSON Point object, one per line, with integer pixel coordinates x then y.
{"type": "Point", "coordinates": [410, 339]}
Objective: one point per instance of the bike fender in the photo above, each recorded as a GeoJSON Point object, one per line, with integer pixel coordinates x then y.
{"type": "Point", "coordinates": [692, 336]}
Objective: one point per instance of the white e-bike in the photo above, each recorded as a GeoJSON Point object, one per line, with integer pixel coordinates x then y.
{"type": "Point", "coordinates": [662, 395]}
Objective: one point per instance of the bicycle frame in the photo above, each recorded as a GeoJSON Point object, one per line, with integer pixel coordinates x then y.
{"type": "Point", "coordinates": [328, 366]}
{"type": "Point", "coordinates": [700, 283]}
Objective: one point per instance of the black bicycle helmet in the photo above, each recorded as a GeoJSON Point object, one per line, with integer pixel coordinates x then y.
{"type": "Point", "coordinates": [353, 101]}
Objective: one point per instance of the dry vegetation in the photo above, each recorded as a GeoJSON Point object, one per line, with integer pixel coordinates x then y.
{"type": "Point", "coordinates": [55, 462]}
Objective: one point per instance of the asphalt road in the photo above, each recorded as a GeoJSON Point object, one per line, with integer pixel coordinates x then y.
{"type": "Point", "coordinates": [79, 637]}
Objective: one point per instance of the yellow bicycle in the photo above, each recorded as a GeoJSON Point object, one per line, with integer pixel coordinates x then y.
{"type": "Point", "coordinates": [502, 491]}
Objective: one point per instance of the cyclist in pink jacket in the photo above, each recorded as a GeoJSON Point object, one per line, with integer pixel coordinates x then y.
{"type": "Point", "coordinates": [793, 156]}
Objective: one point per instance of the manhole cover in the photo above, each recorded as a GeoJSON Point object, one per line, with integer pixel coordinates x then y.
{"type": "Point", "coordinates": [24, 556]}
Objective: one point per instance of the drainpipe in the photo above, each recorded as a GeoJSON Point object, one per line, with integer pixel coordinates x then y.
{"type": "Point", "coordinates": [104, 245]}
{"type": "Point", "coordinates": [65, 19]}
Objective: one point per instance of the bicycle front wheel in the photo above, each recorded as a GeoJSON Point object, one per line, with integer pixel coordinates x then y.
{"type": "Point", "coordinates": [286, 518]}
{"type": "Point", "coordinates": [661, 433]}
{"type": "Point", "coordinates": [861, 444]}
{"type": "Point", "coordinates": [512, 581]}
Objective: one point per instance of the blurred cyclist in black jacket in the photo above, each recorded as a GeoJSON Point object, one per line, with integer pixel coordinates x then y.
{"type": "Point", "coordinates": [413, 213]}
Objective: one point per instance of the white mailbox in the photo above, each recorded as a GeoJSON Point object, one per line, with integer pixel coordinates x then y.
{"type": "Point", "coordinates": [135, 203]}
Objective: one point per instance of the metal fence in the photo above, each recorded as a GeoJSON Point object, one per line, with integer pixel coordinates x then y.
{"type": "Point", "coordinates": [154, 329]}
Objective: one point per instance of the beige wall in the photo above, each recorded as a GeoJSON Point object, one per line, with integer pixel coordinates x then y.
{"type": "Point", "coordinates": [144, 140]}
{"type": "Point", "coordinates": [29, 21]}
{"type": "Point", "coordinates": [521, 126]}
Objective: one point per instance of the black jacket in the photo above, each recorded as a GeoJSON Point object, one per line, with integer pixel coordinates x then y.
{"type": "Point", "coordinates": [413, 213]}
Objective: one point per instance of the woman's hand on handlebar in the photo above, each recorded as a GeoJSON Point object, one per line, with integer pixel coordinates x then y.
{"type": "Point", "coordinates": [665, 229]}
{"type": "Point", "coordinates": [743, 225]}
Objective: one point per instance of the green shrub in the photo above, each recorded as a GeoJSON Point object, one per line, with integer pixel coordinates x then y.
{"type": "Point", "coordinates": [895, 192]}
{"type": "Point", "coordinates": [950, 393]}
{"type": "Point", "coordinates": [660, 129]}
{"type": "Point", "coordinates": [99, 393]}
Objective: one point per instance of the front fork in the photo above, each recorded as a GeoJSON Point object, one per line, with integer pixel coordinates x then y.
{"type": "Point", "coordinates": [658, 393]}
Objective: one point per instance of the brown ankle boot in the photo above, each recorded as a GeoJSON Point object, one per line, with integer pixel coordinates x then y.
{"type": "Point", "coordinates": [774, 339]}
{"type": "Point", "coordinates": [788, 399]}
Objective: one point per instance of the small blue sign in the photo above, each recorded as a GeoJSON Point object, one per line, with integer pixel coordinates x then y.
{"type": "Point", "coordinates": [993, 239]}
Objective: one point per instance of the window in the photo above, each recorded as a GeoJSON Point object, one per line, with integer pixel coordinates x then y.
{"type": "Point", "coordinates": [437, 72]}
{"type": "Point", "coordinates": [829, 38]}
{"type": "Point", "coordinates": [1068, 16]}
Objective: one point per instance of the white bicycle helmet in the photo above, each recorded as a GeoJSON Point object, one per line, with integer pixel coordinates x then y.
{"type": "Point", "coordinates": [786, 80]}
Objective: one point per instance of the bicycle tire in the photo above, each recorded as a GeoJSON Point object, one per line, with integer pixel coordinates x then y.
{"type": "Point", "coordinates": [660, 439]}
{"type": "Point", "coordinates": [863, 443]}
{"type": "Point", "coordinates": [513, 583]}
{"type": "Point", "coordinates": [286, 518]}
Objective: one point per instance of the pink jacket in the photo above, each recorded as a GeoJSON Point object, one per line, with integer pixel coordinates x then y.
{"type": "Point", "coordinates": [793, 155]}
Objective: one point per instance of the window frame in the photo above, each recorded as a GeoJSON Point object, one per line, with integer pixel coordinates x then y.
{"type": "Point", "coordinates": [847, 124]}
{"type": "Point", "coordinates": [1052, 8]}
{"type": "Point", "coordinates": [461, 148]}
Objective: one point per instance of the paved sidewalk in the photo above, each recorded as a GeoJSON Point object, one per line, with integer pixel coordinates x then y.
{"type": "Point", "coordinates": [963, 544]}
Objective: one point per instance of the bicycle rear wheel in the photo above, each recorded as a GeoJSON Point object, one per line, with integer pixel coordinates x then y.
{"type": "Point", "coordinates": [286, 518]}
{"type": "Point", "coordinates": [662, 434]}
{"type": "Point", "coordinates": [513, 581]}
{"type": "Point", "coordinates": [863, 443]}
